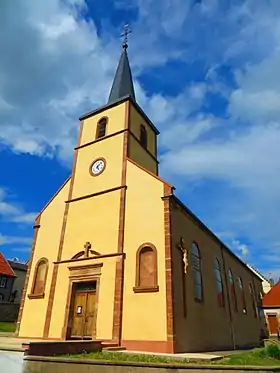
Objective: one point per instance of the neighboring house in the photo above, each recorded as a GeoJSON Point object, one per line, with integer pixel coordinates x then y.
{"type": "Point", "coordinates": [266, 284]}
{"type": "Point", "coordinates": [271, 307]}
{"type": "Point", "coordinates": [7, 278]}
{"type": "Point", "coordinates": [20, 270]}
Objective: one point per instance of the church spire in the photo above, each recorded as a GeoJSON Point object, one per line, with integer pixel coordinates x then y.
{"type": "Point", "coordinates": [123, 84]}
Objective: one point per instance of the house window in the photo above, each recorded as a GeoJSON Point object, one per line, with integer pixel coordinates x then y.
{"type": "Point", "coordinates": [196, 268]}
{"type": "Point", "coordinates": [219, 282]}
{"type": "Point", "coordinates": [143, 136]}
{"type": "Point", "coordinates": [232, 290]}
{"type": "Point", "coordinates": [146, 269]}
{"type": "Point", "coordinates": [40, 277]}
{"type": "Point", "coordinates": [252, 296]}
{"type": "Point", "coordinates": [101, 128]}
{"type": "Point", "coordinates": [3, 282]}
{"type": "Point", "coordinates": [1, 297]}
{"type": "Point", "coordinates": [242, 295]}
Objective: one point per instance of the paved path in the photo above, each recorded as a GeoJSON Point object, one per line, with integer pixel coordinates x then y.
{"type": "Point", "coordinates": [11, 362]}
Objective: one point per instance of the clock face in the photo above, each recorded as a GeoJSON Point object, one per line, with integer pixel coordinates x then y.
{"type": "Point", "coordinates": [97, 167]}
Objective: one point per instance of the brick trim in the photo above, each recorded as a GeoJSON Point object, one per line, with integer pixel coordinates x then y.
{"type": "Point", "coordinates": [119, 277]}
{"type": "Point", "coordinates": [150, 173]}
{"type": "Point", "coordinates": [170, 327]}
{"type": "Point", "coordinates": [30, 262]}
{"type": "Point", "coordinates": [90, 258]}
{"type": "Point", "coordinates": [47, 204]}
{"type": "Point", "coordinates": [96, 194]}
{"type": "Point", "coordinates": [101, 138]}
{"type": "Point", "coordinates": [148, 346]}
{"type": "Point", "coordinates": [59, 253]}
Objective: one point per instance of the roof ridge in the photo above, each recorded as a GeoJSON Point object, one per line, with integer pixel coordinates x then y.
{"type": "Point", "coordinates": [258, 272]}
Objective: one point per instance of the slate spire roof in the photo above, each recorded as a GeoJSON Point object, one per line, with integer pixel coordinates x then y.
{"type": "Point", "coordinates": [122, 84]}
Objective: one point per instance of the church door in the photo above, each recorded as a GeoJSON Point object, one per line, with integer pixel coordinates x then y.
{"type": "Point", "coordinates": [83, 311]}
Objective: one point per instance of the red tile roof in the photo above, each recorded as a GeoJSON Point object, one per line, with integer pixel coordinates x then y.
{"type": "Point", "coordinates": [5, 268]}
{"type": "Point", "coordinates": [272, 298]}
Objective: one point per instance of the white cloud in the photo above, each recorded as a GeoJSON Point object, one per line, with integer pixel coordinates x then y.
{"type": "Point", "coordinates": [23, 249]}
{"type": "Point", "coordinates": [242, 248]}
{"type": "Point", "coordinates": [9, 240]}
{"type": "Point", "coordinates": [11, 212]}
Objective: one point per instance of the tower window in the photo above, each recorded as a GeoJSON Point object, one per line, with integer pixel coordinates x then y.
{"type": "Point", "coordinates": [196, 268]}
{"type": "Point", "coordinates": [143, 136]}
{"type": "Point", "coordinates": [146, 269]}
{"type": "Point", "coordinates": [101, 128]}
{"type": "Point", "coordinates": [219, 282]}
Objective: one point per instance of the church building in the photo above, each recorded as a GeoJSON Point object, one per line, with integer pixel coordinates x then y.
{"type": "Point", "coordinates": [118, 257]}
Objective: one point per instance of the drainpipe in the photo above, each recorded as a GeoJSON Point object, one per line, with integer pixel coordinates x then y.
{"type": "Point", "coordinates": [228, 300]}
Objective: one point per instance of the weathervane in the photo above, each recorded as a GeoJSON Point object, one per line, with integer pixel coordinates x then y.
{"type": "Point", "coordinates": [125, 34]}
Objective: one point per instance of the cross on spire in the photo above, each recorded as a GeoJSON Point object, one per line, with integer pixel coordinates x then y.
{"type": "Point", "coordinates": [125, 34]}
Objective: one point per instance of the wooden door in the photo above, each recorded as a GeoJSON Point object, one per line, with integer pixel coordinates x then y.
{"type": "Point", "coordinates": [78, 315]}
{"type": "Point", "coordinates": [83, 314]}
{"type": "Point", "coordinates": [272, 324]}
{"type": "Point", "coordinates": [89, 314]}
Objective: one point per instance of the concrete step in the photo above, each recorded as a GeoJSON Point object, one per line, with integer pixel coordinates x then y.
{"type": "Point", "coordinates": [114, 348]}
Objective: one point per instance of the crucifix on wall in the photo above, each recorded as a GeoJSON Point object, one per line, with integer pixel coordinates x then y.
{"type": "Point", "coordinates": [182, 247]}
{"type": "Point", "coordinates": [184, 251]}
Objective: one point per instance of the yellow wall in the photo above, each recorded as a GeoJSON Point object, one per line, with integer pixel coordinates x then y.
{"type": "Point", "coordinates": [112, 150]}
{"type": "Point", "coordinates": [95, 220]}
{"type": "Point", "coordinates": [116, 122]}
{"type": "Point", "coordinates": [144, 222]}
{"type": "Point", "coordinates": [105, 298]}
{"type": "Point", "coordinates": [136, 119]}
{"type": "Point", "coordinates": [138, 154]}
{"type": "Point", "coordinates": [34, 312]}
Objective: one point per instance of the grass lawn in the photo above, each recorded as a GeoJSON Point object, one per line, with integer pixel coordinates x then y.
{"type": "Point", "coordinates": [119, 356]}
{"type": "Point", "coordinates": [256, 357]}
{"type": "Point", "coordinates": [7, 327]}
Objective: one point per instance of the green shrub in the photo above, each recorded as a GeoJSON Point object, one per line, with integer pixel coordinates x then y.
{"type": "Point", "coordinates": [273, 351]}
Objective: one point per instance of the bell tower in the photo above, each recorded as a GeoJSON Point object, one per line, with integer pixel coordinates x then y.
{"type": "Point", "coordinates": [113, 132]}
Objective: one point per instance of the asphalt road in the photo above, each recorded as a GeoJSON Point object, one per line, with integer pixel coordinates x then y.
{"type": "Point", "coordinates": [11, 362]}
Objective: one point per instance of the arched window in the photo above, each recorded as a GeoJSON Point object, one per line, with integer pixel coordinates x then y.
{"type": "Point", "coordinates": [242, 295]}
{"type": "Point", "coordinates": [146, 269]}
{"type": "Point", "coordinates": [196, 267]}
{"type": "Point", "coordinates": [232, 290]}
{"type": "Point", "coordinates": [101, 128]}
{"type": "Point", "coordinates": [252, 296]}
{"type": "Point", "coordinates": [40, 277]}
{"type": "Point", "coordinates": [143, 136]}
{"type": "Point", "coordinates": [219, 282]}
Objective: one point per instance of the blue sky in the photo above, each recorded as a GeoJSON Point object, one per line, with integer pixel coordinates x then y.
{"type": "Point", "coordinates": [205, 71]}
